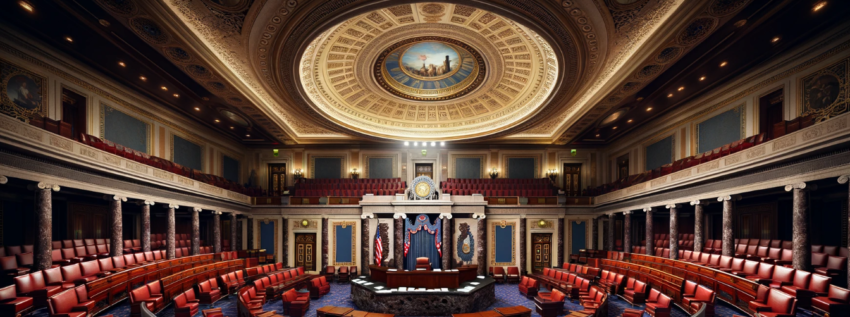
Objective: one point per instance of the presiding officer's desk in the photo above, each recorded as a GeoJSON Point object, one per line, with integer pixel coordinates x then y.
{"type": "Point", "coordinates": [422, 279]}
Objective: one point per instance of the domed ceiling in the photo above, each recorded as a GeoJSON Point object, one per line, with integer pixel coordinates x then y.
{"type": "Point", "coordinates": [425, 71]}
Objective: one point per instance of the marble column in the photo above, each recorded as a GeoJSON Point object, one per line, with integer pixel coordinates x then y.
{"type": "Point", "coordinates": [802, 242]}
{"type": "Point", "coordinates": [325, 230]}
{"type": "Point", "coordinates": [446, 239]}
{"type": "Point", "coordinates": [146, 225]}
{"type": "Point", "coordinates": [699, 226]}
{"type": "Point", "coordinates": [235, 244]}
{"type": "Point", "coordinates": [610, 238]}
{"type": "Point", "coordinates": [594, 235]}
{"type": "Point", "coordinates": [284, 225]}
{"type": "Point", "coordinates": [728, 216]}
{"type": "Point", "coordinates": [196, 231]}
{"type": "Point", "coordinates": [170, 233]}
{"type": "Point", "coordinates": [627, 231]}
{"type": "Point", "coordinates": [116, 239]}
{"type": "Point", "coordinates": [481, 244]}
{"type": "Point", "coordinates": [844, 179]}
{"type": "Point", "coordinates": [522, 244]}
{"type": "Point", "coordinates": [365, 237]}
{"type": "Point", "coordinates": [398, 247]}
{"type": "Point", "coordinates": [674, 231]}
{"type": "Point", "coordinates": [562, 225]}
{"type": "Point", "coordinates": [650, 236]}
{"type": "Point", "coordinates": [216, 231]}
{"type": "Point", "coordinates": [42, 248]}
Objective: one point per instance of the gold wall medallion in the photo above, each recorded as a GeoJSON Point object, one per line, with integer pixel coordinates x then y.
{"type": "Point", "coordinates": [305, 223]}
{"type": "Point", "coordinates": [423, 189]}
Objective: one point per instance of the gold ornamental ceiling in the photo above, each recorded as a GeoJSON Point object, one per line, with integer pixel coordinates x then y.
{"type": "Point", "coordinates": [428, 71]}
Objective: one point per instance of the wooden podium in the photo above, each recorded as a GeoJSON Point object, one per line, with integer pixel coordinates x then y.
{"type": "Point", "coordinates": [423, 279]}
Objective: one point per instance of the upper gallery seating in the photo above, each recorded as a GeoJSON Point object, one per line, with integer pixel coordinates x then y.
{"type": "Point", "coordinates": [532, 187]}
{"type": "Point", "coordinates": [163, 164]}
{"type": "Point", "coordinates": [678, 165]}
{"type": "Point", "coordinates": [344, 187]}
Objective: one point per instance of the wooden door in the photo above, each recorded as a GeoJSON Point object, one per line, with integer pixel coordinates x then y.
{"type": "Point", "coordinates": [277, 179]}
{"type": "Point", "coordinates": [770, 111]}
{"type": "Point", "coordinates": [305, 251]}
{"type": "Point", "coordinates": [425, 169]}
{"type": "Point", "coordinates": [623, 166]}
{"type": "Point", "coordinates": [572, 179]}
{"type": "Point", "coordinates": [541, 251]}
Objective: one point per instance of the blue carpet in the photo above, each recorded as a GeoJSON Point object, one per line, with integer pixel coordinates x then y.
{"type": "Point", "coordinates": [506, 295]}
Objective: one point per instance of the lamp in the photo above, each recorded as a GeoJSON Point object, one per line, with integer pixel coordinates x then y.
{"type": "Point", "coordinates": [298, 174]}
{"type": "Point", "coordinates": [354, 173]}
{"type": "Point", "coordinates": [552, 174]}
{"type": "Point", "coordinates": [494, 173]}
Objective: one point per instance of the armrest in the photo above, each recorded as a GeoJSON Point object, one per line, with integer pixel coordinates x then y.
{"type": "Point", "coordinates": [148, 300]}
{"type": "Point", "coordinates": [193, 301]}
{"type": "Point", "coordinates": [79, 308]}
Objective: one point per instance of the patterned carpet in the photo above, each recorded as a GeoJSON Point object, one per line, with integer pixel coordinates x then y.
{"type": "Point", "coordinates": [506, 295]}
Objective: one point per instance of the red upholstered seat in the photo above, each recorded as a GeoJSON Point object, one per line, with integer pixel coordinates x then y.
{"type": "Point", "coordinates": [528, 287]}
{"type": "Point", "coordinates": [56, 258]}
{"type": "Point", "coordinates": [13, 305]}
{"type": "Point", "coordinates": [33, 285]}
{"type": "Point", "coordinates": [781, 276]}
{"type": "Point", "coordinates": [292, 297]}
{"type": "Point", "coordinates": [208, 293]}
{"type": "Point", "coordinates": [703, 296]}
{"type": "Point", "coordinates": [660, 306]}
{"type": "Point", "coordinates": [550, 305]}
{"type": "Point", "coordinates": [318, 287]}
{"type": "Point", "coordinates": [72, 273]}
{"type": "Point", "coordinates": [142, 296]}
{"type": "Point", "coordinates": [343, 273]}
{"type": "Point", "coordinates": [778, 304]}
{"type": "Point", "coordinates": [765, 272]}
{"type": "Point", "coordinates": [183, 306]}
{"type": "Point", "coordinates": [513, 274]}
{"type": "Point", "coordinates": [835, 266]}
{"type": "Point", "coordinates": [836, 303]}
{"type": "Point", "coordinates": [423, 263]}
{"type": "Point", "coordinates": [53, 277]}
{"type": "Point", "coordinates": [636, 294]}
{"type": "Point", "coordinates": [66, 304]}
{"type": "Point", "coordinates": [9, 265]}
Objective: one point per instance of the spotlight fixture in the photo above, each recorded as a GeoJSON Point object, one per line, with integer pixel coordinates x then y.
{"type": "Point", "coordinates": [406, 143]}
{"type": "Point", "coordinates": [217, 120]}
{"type": "Point", "coordinates": [164, 88]}
{"type": "Point", "coordinates": [176, 96]}
{"type": "Point", "coordinates": [702, 78]}
{"type": "Point", "coordinates": [775, 39]}
{"type": "Point", "coordinates": [681, 88]}
{"type": "Point", "coordinates": [649, 109]}
{"type": "Point", "coordinates": [143, 78]}
{"type": "Point", "coordinates": [630, 121]}
{"type": "Point", "coordinates": [199, 109]}
{"type": "Point", "coordinates": [415, 143]}
{"type": "Point", "coordinates": [443, 143]}
{"type": "Point", "coordinates": [69, 39]}
{"type": "Point", "coordinates": [670, 95]}
{"type": "Point", "coordinates": [724, 63]}
{"type": "Point", "coordinates": [122, 64]}
{"type": "Point", "coordinates": [26, 6]}
{"type": "Point", "coordinates": [818, 6]}
{"type": "Point", "coordinates": [433, 143]}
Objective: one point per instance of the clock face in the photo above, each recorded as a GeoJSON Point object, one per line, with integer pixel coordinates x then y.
{"type": "Point", "coordinates": [423, 189]}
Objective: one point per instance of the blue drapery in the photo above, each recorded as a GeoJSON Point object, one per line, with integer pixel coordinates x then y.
{"type": "Point", "coordinates": [342, 253]}
{"type": "Point", "coordinates": [579, 234]}
{"type": "Point", "coordinates": [504, 244]}
{"type": "Point", "coordinates": [422, 240]}
{"type": "Point", "coordinates": [267, 237]}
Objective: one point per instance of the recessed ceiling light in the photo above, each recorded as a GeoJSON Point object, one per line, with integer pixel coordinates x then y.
{"type": "Point", "coordinates": [775, 39]}
{"type": "Point", "coordinates": [205, 99]}
{"type": "Point", "coordinates": [143, 78]}
{"type": "Point", "coordinates": [199, 109]}
{"type": "Point", "coordinates": [639, 98]}
{"type": "Point", "coordinates": [164, 88]}
{"type": "Point", "coordinates": [670, 95]}
{"type": "Point", "coordinates": [702, 78]}
{"type": "Point", "coordinates": [247, 135]}
{"type": "Point", "coordinates": [217, 120]}
{"type": "Point", "coordinates": [614, 128]}
{"type": "Point", "coordinates": [681, 88]}
{"type": "Point", "coordinates": [406, 143]}
{"type": "Point", "coordinates": [26, 6]}
{"type": "Point", "coordinates": [597, 135]}
{"type": "Point", "coordinates": [724, 63]}
{"type": "Point", "coordinates": [122, 64]}
{"type": "Point", "coordinates": [104, 22]}
{"type": "Point", "coordinates": [649, 109]}
{"type": "Point", "coordinates": [69, 39]}
{"type": "Point", "coordinates": [443, 143]}
{"type": "Point", "coordinates": [818, 6]}
{"type": "Point", "coordinates": [231, 127]}
{"type": "Point", "coordinates": [415, 143]}
{"type": "Point", "coordinates": [630, 121]}
{"type": "Point", "coordinates": [433, 143]}
{"type": "Point", "coordinates": [176, 96]}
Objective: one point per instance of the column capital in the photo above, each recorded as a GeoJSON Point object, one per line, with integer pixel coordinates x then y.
{"type": "Point", "coordinates": [801, 185]}
{"type": "Point", "coordinates": [3, 180]}
{"type": "Point", "coordinates": [367, 216]}
{"type": "Point", "coordinates": [672, 206]}
{"type": "Point", "coordinates": [217, 212]}
{"type": "Point", "coordinates": [729, 197]}
{"type": "Point", "coordinates": [843, 179]}
{"type": "Point", "coordinates": [627, 212]}
{"type": "Point", "coordinates": [647, 209]}
{"type": "Point", "coordinates": [699, 202]}
{"type": "Point", "coordinates": [173, 206]}
{"type": "Point", "coordinates": [197, 209]}
{"type": "Point", "coordinates": [399, 215]}
{"type": "Point", "coordinates": [43, 185]}
{"type": "Point", "coordinates": [148, 202]}
{"type": "Point", "coordinates": [479, 216]}
{"type": "Point", "coordinates": [445, 215]}
{"type": "Point", "coordinates": [114, 198]}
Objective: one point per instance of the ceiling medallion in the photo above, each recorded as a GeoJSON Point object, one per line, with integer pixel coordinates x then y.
{"type": "Point", "coordinates": [449, 68]}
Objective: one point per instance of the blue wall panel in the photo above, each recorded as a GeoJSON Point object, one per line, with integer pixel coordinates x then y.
{"type": "Point", "coordinates": [579, 236]}
{"type": "Point", "coordinates": [659, 153]}
{"type": "Point", "coordinates": [521, 168]}
{"type": "Point", "coordinates": [126, 130]}
{"type": "Point", "coordinates": [267, 237]}
{"type": "Point", "coordinates": [720, 130]}
{"type": "Point", "coordinates": [468, 167]}
{"type": "Point", "coordinates": [380, 167]}
{"type": "Point", "coordinates": [231, 169]}
{"type": "Point", "coordinates": [343, 244]}
{"type": "Point", "coordinates": [504, 244]}
{"type": "Point", "coordinates": [327, 167]}
{"type": "Point", "coordinates": [188, 154]}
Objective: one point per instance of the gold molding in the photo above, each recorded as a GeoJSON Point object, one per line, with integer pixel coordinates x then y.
{"type": "Point", "coordinates": [343, 224]}
{"type": "Point", "coordinates": [492, 234]}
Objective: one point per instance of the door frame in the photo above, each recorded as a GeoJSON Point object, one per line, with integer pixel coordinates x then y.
{"type": "Point", "coordinates": [551, 250]}
{"type": "Point", "coordinates": [315, 245]}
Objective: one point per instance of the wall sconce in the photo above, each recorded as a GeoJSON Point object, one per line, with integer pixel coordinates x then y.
{"type": "Point", "coordinates": [494, 173]}
{"type": "Point", "coordinates": [552, 174]}
{"type": "Point", "coordinates": [298, 174]}
{"type": "Point", "coordinates": [354, 173]}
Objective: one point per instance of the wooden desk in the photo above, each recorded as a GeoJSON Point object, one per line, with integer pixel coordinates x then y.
{"type": "Point", "coordinates": [515, 311]}
{"type": "Point", "coordinates": [487, 313]}
{"type": "Point", "coordinates": [426, 279]}
{"type": "Point", "coordinates": [333, 311]}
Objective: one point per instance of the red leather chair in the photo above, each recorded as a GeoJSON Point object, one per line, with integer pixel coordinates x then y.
{"type": "Point", "coordinates": [13, 305]}
{"type": "Point", "coordinates": [703, 296]}
{"type": "Point", "coordinates": [251, 307]}
{"type": "Point", "coordinates": [782, 276]}
{"type": "Point", "coordinates": [777, 304]}
{"type": "Point", "coordinates": [835, 267]}
{"type": "Point", "coordinates": [227, 284]}
{"type": "Point", "coordinates": [637, 294]}
{"type": "Point", "coordinates": [660, 306]}
{"type": "Point", "coordinates": [72, 273]}
{"type": "Point", "coordinates": [208, 295]}
{"type": "Point", "coordinates": [33, 285]}
{"type": "Point", "coordinates": [70, 255]}
{"type": "Point", "coordinates": [300, 301]}
{"type": "Point", "coordinates": [71, 303]}
{"type": "Point", "coordinates": [513, 274]}
{"type": "Point", "coordinates": [499, 274]}
{"type": "Point", "coordinates": [53, 277]}
{"type": "Point", "coordinates": [528, 287]}
{"type": "Point", "coordinates": [183, 307]}
{"type": "Point", "coordinates": [836, 303]}
{"type": "Point", "coordinates": [56, 258]}
{"type": "Point", "coordinates": [343, 274]}
{"type": "Point", "coordinates": [319, 287]}
{"type": "Point", "coordinates": [330, 270]}
{"type": "Point", "coordinates": [142, 296]}
{"type": "Point", "coordinates": [9, 266]}
{"type": "Point", "coordinates": [551, 305]}
{"type": "Point", "coordinates": [423, 263]}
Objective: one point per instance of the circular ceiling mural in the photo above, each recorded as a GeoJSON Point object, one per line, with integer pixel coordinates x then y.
{"type": "Point", "coordinates": [428, 71]}
{"type": "Point", "coordinates": [430, 68]}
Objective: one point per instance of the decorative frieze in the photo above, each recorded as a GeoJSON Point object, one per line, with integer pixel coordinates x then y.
{"type": "Point", "coordinates": [136, 167]}
{"type": "Point", "coordinates": [710, 166]}
{"type": "Point", "coordinates": [62, 143]}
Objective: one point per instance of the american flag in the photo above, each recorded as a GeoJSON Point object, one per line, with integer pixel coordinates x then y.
{"type": "Point", "coordinates": [379, 249]}
{"type": "Point", "coordinates": [438, 242]}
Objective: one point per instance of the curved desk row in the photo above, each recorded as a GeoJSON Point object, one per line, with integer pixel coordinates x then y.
{"type": "Point", "coordinates": [180, 282]}
{"type": "Point", "coordinates": [427, 279]}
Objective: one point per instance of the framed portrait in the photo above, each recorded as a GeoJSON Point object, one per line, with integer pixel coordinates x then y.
{"type": "Point", "coordinates": [23, 94]}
